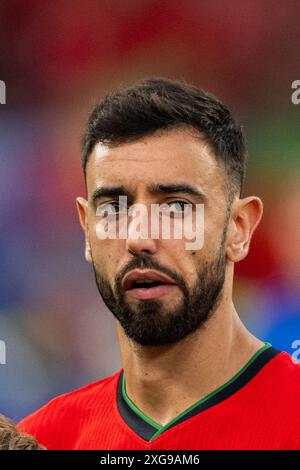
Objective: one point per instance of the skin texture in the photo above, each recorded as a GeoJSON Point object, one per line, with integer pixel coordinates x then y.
{"type": "Point", "coordinates": [209, 356]}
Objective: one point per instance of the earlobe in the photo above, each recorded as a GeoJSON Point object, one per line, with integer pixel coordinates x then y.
{"type": "Point", "coordinates": [246, 215]}
{"type": "Point", "coordinates": [81, 205]}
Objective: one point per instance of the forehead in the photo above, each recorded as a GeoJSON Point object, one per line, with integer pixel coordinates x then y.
{"type": "Point", "coordinates": [169, 157]}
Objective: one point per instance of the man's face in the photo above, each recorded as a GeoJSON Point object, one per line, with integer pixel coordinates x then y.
{"type": "Point", "coordinates": [191, 280]}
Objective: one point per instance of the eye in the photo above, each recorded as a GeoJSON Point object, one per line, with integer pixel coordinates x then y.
{"type": "Point", "coordinates": [111, 208]}
{"type": "Point", "coordinates": [177, 206]}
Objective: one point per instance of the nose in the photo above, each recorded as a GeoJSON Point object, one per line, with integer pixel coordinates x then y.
{"type": "Point", "coordinates": [139, 231]}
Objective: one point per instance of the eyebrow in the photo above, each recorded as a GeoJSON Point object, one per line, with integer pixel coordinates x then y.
{"type": "Point", "coordinates": [176, 188]}
{"type": "Point", "coordinates": [155, 189]}
{"type": "Point", "coordinates": [108, 191]}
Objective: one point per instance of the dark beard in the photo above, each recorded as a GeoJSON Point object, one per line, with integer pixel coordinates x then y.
{"type": "Point", "coordinates": [149, 322]}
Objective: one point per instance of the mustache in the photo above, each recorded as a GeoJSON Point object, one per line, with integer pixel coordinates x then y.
{"type": "Point", "coordinates": [147, 262]}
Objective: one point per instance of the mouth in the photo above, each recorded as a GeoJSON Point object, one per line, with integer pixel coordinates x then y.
{"type": "Point", "coordinates": [147, 284]}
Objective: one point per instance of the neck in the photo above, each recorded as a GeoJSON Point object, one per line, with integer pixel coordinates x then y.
{"type": "Point", "coordinates": [164, 381]}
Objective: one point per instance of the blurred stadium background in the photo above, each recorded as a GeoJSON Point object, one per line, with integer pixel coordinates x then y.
{"type": "Point", "coordinates": [58, 59]}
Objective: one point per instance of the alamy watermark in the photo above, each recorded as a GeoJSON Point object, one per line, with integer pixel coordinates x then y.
{"type": "Point", "coordinates": [2, 343]}
{"type": "Point", "coordinates": [295, 97]}
{"type": "Point", "coordinates": [2, 92]}
{"type": "Point", "coordinates": [296, 354]}
{"type": "Point", "coordinates": [161, 222]}
{"type": "Point", "coordinates": [2, 352]}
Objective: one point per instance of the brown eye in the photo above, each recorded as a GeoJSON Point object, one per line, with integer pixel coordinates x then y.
{"type": "Point", "coordinates": [111, 208]}
{"type": "Point", "coordinates": [174, 207]}
{"type": "Point", "coordinates": [178, 206]}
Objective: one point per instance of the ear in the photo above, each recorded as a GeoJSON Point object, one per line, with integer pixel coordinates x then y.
{"type": "Point", "coordinates": [245, 216]}
{"type": "Point", "coordinates": [82, 205]}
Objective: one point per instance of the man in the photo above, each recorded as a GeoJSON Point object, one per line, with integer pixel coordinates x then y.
{"type": "Point", "coordinates": [192, 377]}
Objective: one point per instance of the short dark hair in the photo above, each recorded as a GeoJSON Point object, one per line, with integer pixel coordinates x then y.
{"type": "Point", "coordinates": [129, 114]}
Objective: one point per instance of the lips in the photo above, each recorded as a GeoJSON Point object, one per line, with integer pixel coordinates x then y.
{"type": "Point", "coordinates": [147, 284]}
{"type": "Point", "coordinates": [139, 278]}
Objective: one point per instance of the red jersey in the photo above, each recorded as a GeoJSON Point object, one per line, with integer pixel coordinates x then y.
{"type": "Point", "coordinates": [257, 409]}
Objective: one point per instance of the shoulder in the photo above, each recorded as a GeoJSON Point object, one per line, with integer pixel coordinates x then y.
{"type": "Point", "coordinates": [273, 390]}
{"type": "Point", "coordinates": [68, 410]}
{"type": "Point", "coordinates": [280, 377]}
{"type": "Point", "coordinates": [285, 370]}
{"type": "Point", "coordinates": [281, 398]}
